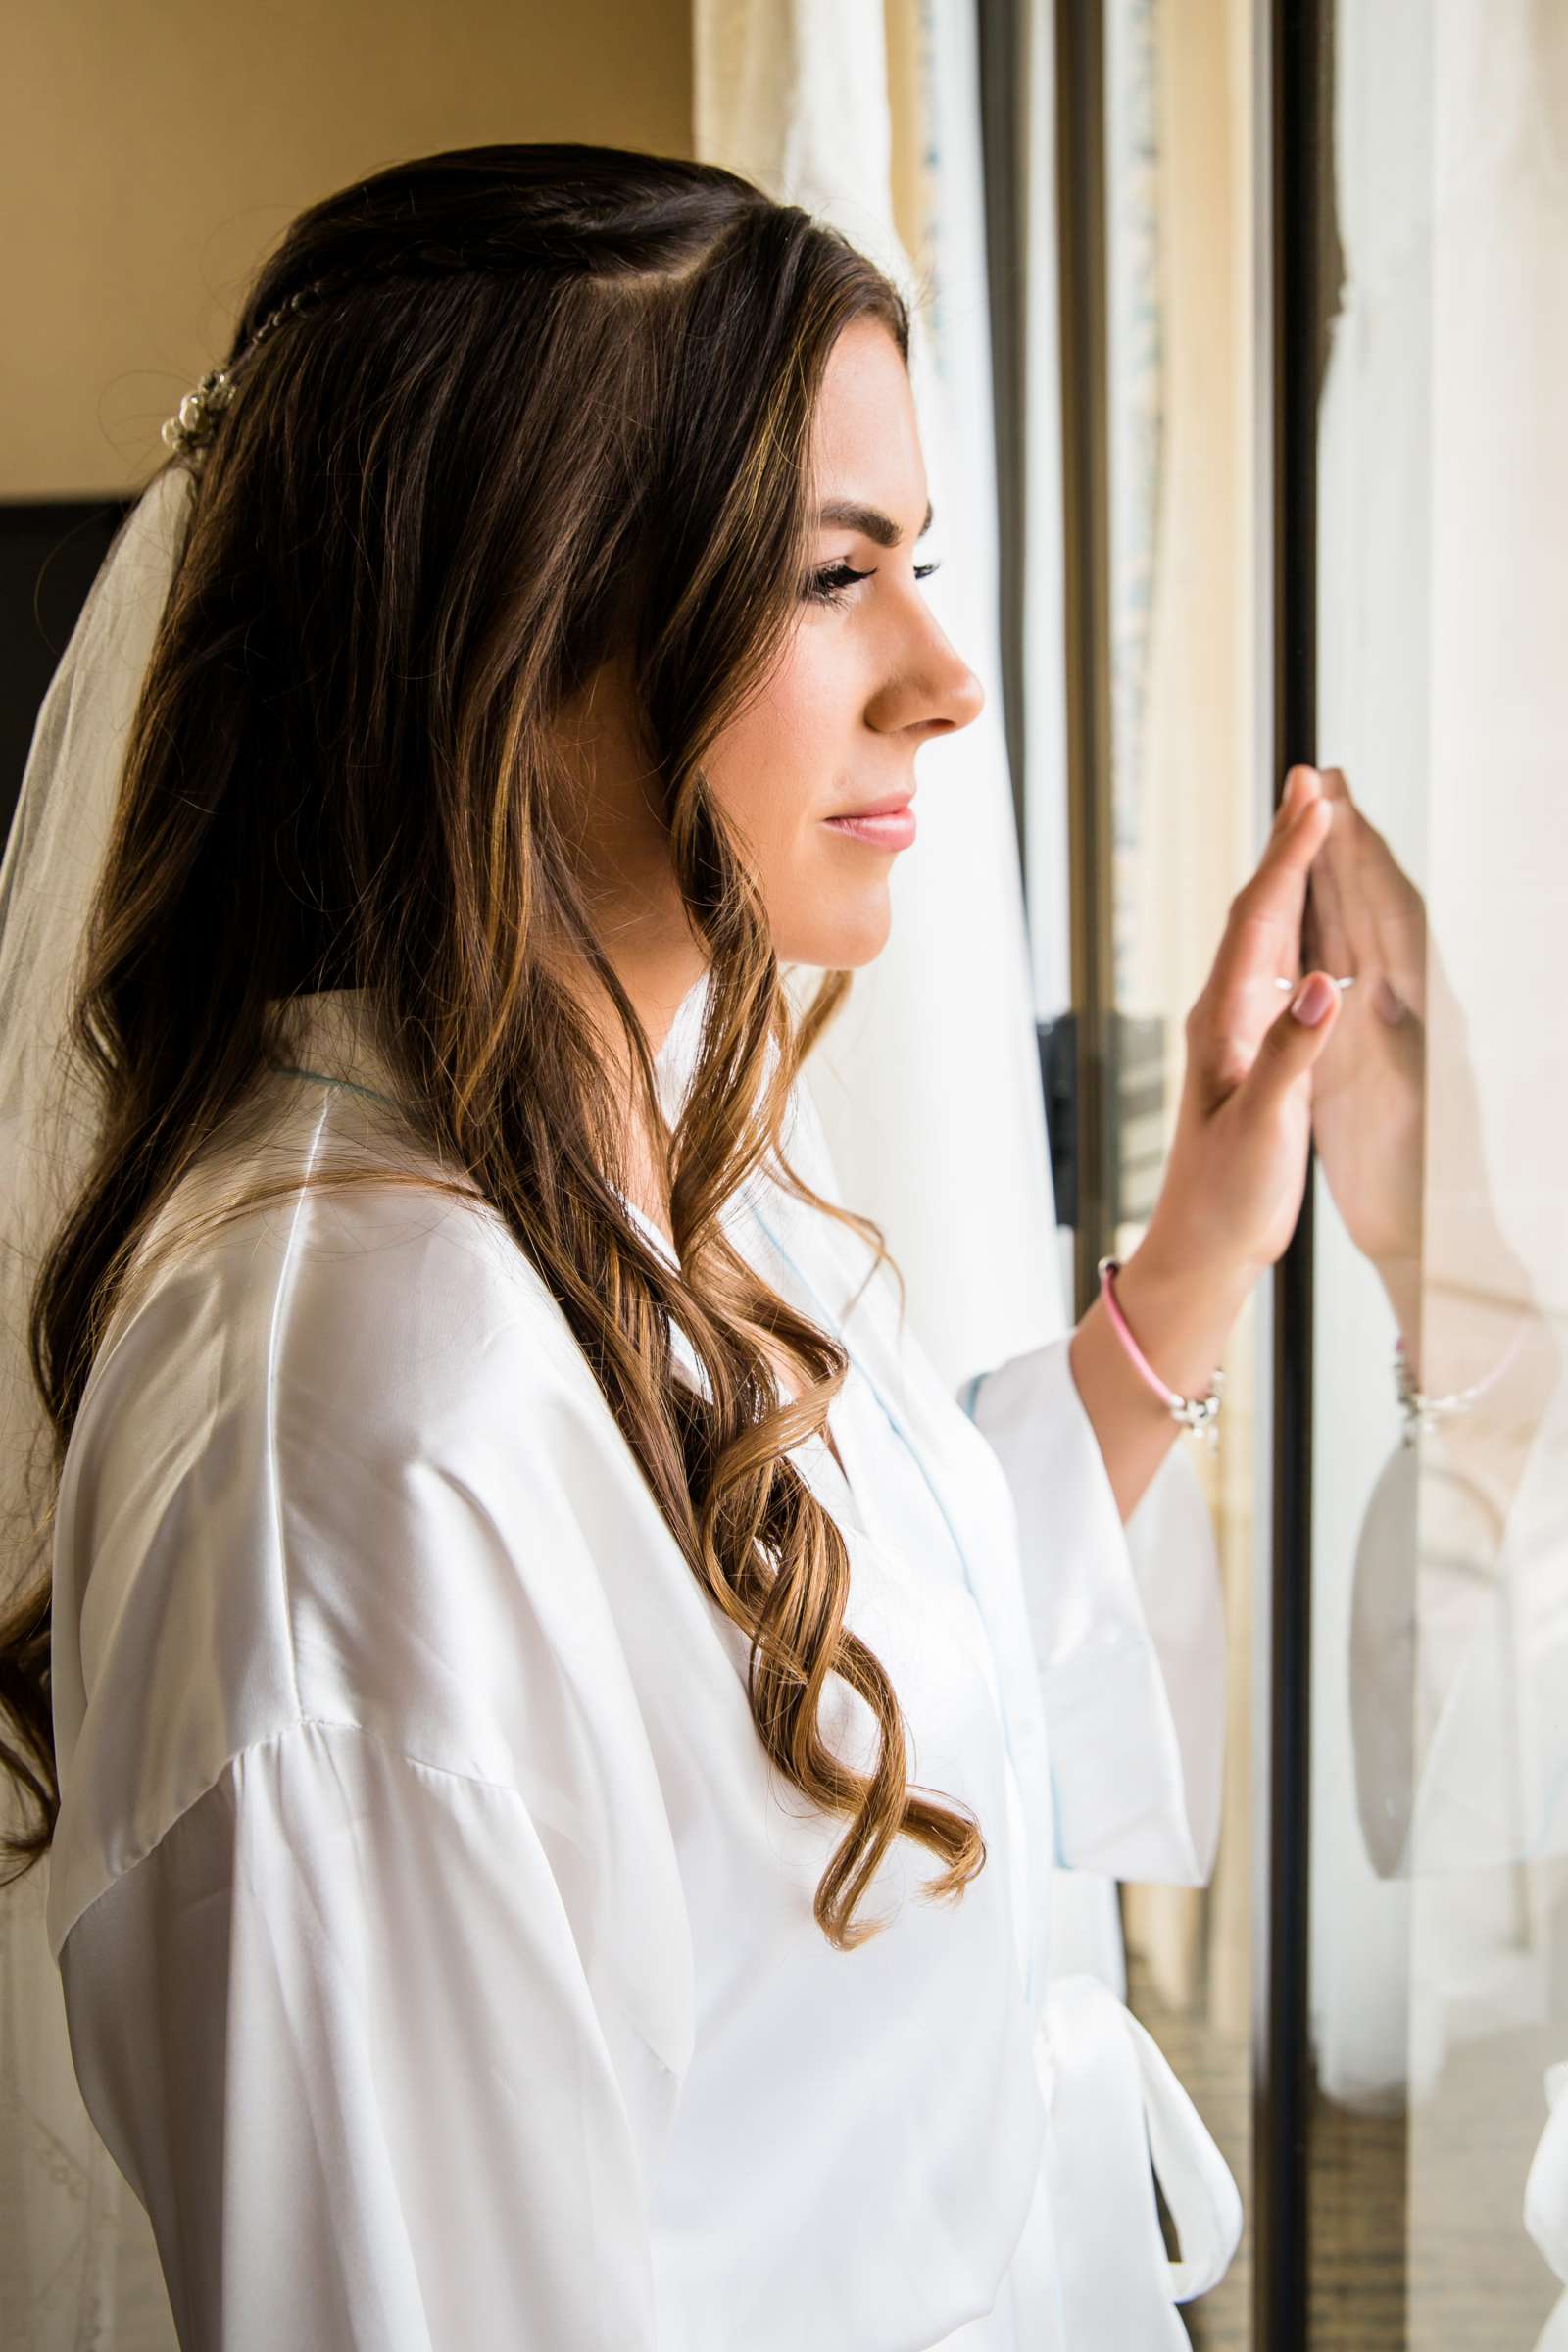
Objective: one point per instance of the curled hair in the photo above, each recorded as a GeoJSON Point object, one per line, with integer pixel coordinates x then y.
{"type": "Point", "coordinates": [543, 406]}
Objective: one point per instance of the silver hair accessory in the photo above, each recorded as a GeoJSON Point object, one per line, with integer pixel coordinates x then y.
{"type": "Point", "coordinates": [192, 423]}
{"type": "Point", "coordinates": [195, 421]}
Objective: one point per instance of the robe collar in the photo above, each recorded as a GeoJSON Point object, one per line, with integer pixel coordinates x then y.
{"type": "Point", "coordinates": [330, 1034]}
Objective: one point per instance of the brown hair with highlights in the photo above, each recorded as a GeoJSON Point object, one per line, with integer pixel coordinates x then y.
{"type": "Point", "coordinates": [553, 403]}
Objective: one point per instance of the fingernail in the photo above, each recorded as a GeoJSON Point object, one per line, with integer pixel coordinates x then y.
{"type": "Point", "coordinates": [1311, 1001]}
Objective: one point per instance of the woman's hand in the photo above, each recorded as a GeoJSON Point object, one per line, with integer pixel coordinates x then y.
{"type": "Point", "coordinates": [1237, 1170]}
{"type": "Point", "coordinates": [1233, 1184]}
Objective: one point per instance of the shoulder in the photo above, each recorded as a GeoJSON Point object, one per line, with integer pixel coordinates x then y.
{"type": "Point", "coordinates": [341, 1462]}
{"type": "Point", "coordinates": [377, 1304]}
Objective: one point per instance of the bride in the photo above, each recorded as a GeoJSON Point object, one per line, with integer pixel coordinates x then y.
{"type": "Point", "coordinates": [550, 1727]}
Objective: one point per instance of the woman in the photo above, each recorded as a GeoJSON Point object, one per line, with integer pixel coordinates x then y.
{"type": "Point", "coordinates": [509, 1562]}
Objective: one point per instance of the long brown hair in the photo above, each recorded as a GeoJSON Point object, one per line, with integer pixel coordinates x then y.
{"type": "Point", "coordinates": [546, 404]}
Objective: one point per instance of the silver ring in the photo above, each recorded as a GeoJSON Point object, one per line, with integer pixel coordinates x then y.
{"type": "Point", "coordinates": [1348, 981]}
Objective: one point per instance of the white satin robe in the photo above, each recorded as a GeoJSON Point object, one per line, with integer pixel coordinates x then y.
{"type": "Point", "coordinates": [436, 1941]}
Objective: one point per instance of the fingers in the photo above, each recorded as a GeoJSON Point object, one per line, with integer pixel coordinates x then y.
{"type": "Point", "coordinates": [1294, 1043]}
{"type": "Point", "coordinates": [1230, 1019]}
{"type": "Point", "coordinates": [1372, 917]}
{"type": "Point", "coordinates": [1300, 826]}
{"type": "Point", "coordinates": [1290, 798]}
{"type": "Point", "coordinates": [1331, 930]}
{"type": "Point", "coordinates": [1347, 920]}
{"type": "Point", "coordinates": [1263, 930]}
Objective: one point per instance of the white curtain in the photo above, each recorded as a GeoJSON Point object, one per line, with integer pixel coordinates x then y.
{"type": "Point", "coordinates": [928, 1083]}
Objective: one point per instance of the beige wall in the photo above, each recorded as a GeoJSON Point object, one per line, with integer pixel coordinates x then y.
{"type": "Point", "coordinates": [151, 153]}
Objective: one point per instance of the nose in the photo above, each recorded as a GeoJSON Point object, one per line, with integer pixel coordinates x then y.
{"type": "Point", "coordinates": [965, 697]}
{"type": "Point", "coordinates": [933, 688]}
{"type": "Point", "coordinates": [956, 694]}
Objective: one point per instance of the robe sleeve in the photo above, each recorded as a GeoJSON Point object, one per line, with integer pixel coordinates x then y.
{"type": "Point", "coordinates": [335, 2031]}
{"type": "Point", "coordinates": [1127, 1621]}
{"type": "Point", "coordinates": [1128, 1629]}
{"type": "Point", "coordinates": [1459, 1657]}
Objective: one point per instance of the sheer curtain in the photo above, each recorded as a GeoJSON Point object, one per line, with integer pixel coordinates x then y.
{"type": "Point", "coordinates": [928, 1083]}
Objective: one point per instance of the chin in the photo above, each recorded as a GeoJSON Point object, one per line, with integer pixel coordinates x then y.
{"type": "Point", "coordinates": [855, 937]}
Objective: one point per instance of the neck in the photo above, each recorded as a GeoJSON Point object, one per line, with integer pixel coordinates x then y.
{"type": "Point", "coordinates": [667, 996]}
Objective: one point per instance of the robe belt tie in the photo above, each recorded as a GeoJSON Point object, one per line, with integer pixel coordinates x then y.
{"type": "Point", "coordinates": [1113, 2104]}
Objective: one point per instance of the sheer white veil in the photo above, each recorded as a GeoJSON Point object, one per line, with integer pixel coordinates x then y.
{"type": "Point", "coordinates": [77, 2261]}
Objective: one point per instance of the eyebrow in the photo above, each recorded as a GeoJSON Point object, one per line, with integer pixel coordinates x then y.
{"type": "Point", "coordinates": [845, 513]}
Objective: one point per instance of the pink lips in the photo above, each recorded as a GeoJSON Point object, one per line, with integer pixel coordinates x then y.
{"type": "Point", "coordinates": [889, 829]}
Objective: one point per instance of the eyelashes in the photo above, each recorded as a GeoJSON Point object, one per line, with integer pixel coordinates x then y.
{"type": "Point", "coordinates": [832, 585]}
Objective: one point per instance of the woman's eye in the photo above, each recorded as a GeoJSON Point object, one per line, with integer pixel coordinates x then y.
{"type": "Point", "coordinates": [833, 584]}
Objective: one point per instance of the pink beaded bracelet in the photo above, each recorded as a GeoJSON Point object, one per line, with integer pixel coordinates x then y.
{"type": "Point", "coordinates": [1194, 1413]}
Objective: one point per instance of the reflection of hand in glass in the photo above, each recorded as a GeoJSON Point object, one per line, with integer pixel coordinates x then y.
{"type": "Point", "coordinates": [1456, 1650]}
{"type": "Point", "coordinates": [1365, 919]}
{"type": "Point", "coordinates": [1456, 1286]}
